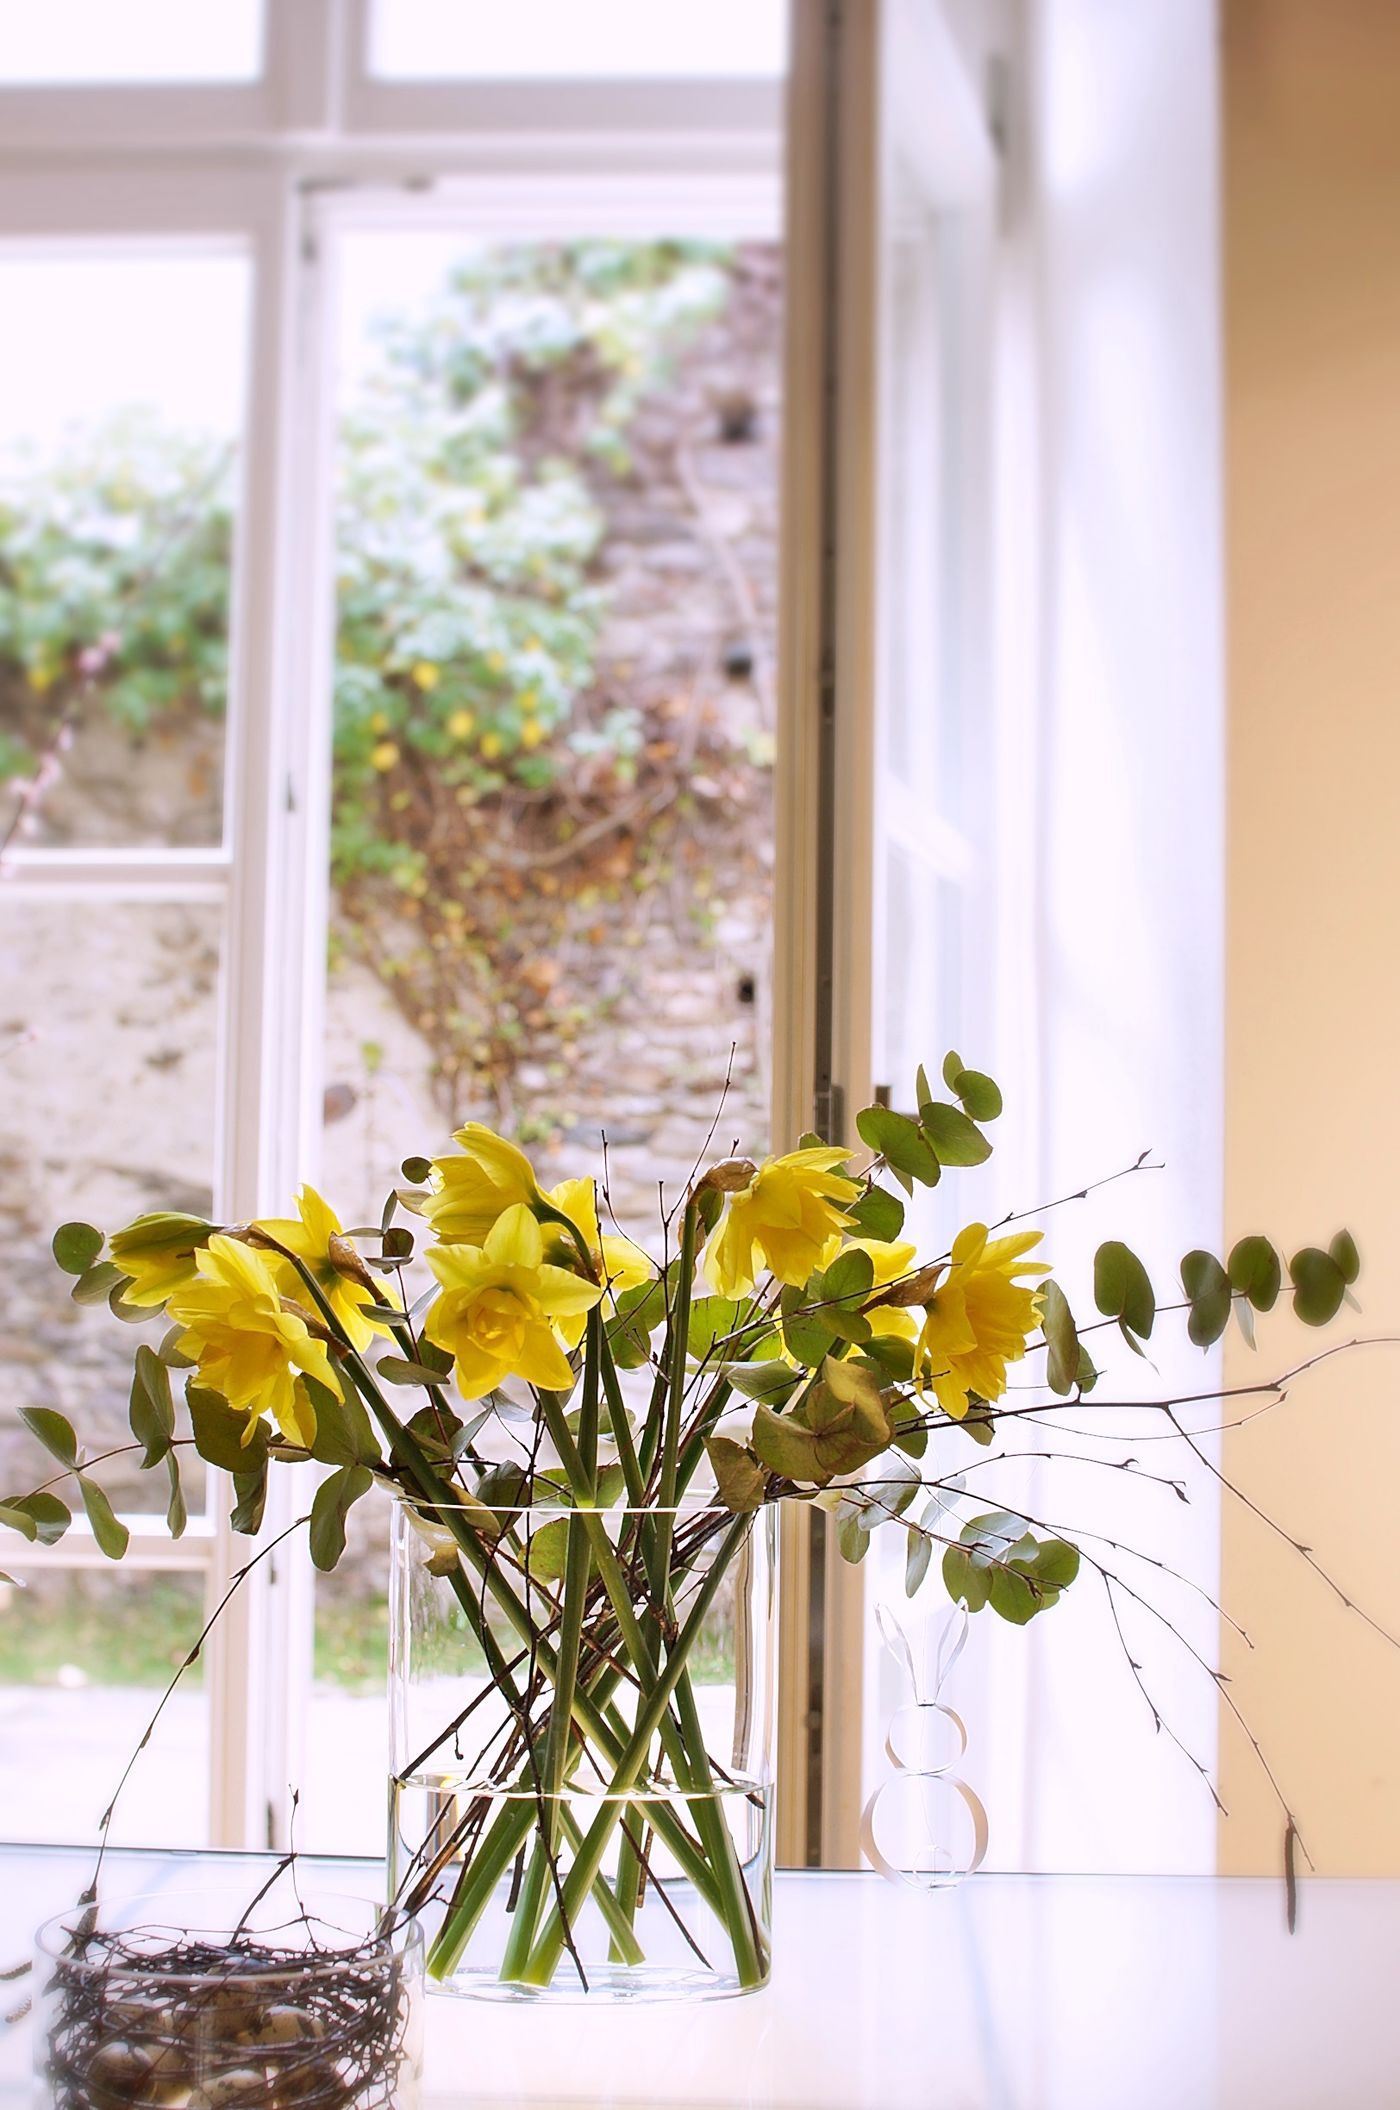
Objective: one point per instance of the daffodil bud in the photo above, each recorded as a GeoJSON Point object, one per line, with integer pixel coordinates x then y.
{"type": "Point", "coordinates": [729, 1176]}
{"type": "Point", "coordinates": [915, 1289]}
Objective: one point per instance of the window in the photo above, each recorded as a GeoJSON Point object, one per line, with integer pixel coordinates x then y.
{"type": "Point", "coordinates": [215, 624]}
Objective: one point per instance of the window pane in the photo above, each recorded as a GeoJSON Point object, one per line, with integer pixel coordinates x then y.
{"type": "Point", "coordinates": [562, 40]}
{"type": "Point", "coordinates": [83, 1660]}
{"type": "Point", "coordinates": [121, 405]}
{"type": "Point", "coordinates": [554, 719]}
{"type": "Point", "coordinates": [347, 1752]}
{"type": "Point", "coordinates": [111, 41]}
{"type": "Point", "coordinates": [107, 1031]}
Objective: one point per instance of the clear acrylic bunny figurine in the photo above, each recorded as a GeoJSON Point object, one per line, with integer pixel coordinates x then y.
{"type": "Point", "coordinates": [924, 1827]}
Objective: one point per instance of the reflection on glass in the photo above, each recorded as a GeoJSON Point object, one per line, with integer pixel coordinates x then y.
{"type": "Point", "coordinates": [562, 40]}
{"type": "Point", "coordinates": [83, 1660]}
{"type": "Point", "coordinates": [553, 722]}
{"type": "Point", "coordinates": [107, 1058]}
{"type": "Point", "coordinates": [121, 404]}
{"type": "Point", "coordinates": [109, 41]}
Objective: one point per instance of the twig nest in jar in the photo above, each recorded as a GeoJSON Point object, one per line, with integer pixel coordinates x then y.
{"type": "Point", "coordinates": [240, 2089]}
{"type": "Point", "coordinates": [119, 2074]}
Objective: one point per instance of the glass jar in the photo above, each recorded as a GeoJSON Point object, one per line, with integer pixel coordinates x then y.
{"type": "Point", "coordinates": [208, 2003]}
{"type": "Point", "coordinates": [582, 1717]}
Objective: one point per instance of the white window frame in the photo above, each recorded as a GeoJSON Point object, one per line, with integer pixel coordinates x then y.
{"type": "Point", "coordinates": [276, 166]}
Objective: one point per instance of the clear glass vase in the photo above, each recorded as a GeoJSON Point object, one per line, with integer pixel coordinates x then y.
{"type": "Point", "coordinates": [582, 1716]}
{"type": "Point", "coordinates": [217, 2003]}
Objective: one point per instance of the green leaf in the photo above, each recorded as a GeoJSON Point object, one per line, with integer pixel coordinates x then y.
{"type": "Point", "coordinates": [333, 1501]}
{"type": "Point", "coordinates": [979, 1422]}
{"type": "Point", "coordinates": [548, 1551]}
{"type": "Point", "coordinates": [965, 1583]}
{"type": "Point", "coordinates": [1088, 1375]}
{"type": "Point", "coordinates": [219, 1430]}
{"type": "Point", "coordinates": [1208, 1287]}
{"type": "Point", "coordinates": [344, 1432]}
{"type": "Point", "coordinates": [171, 1353]}
{"type": "Point", "coordinates": [152, 1409]}
{"type": "Point", "coordinates": [850, 1277]}
{"type": "Point", "coordinates": [417, 1171]}
{"type": "Point", "coordinates": [741, 1480]}
{"type": "Point", "coordinates": [250, 1499]}
{"type": "Point", "coordinates": [1056, 1563]}
{"type": "Point", "coordinates": [398, 1243]}
{"type": "Point", "coordinates": [1013, 1596]}
{"type": "Point", "coordinates": [112, 1536]}
{"type": "Point", "coordinates": [76, 1246]}
{"type": "Point", "coordinates": [773, 1382]}
{"type": "Point", "coordinates": [917, 1557]}
{"type": "Point", "coordinates": [1343, 1251]}
{"type": "Point", "coordinates": [784, 1446]}
{"type": "Point", "coordinates": [16, 1519]}
{"type": "Point", "coordinates": [901, 1143]}
{"type": "Point", "coordinates": [952, 1070]}
{"type": "Point", "coordinates": [894, 1356]}
{"type": "Point", "coordinates": [54, 1431]}
{"type": "Point", "coordinates": [96, 1286]}
{"type": "Point", "coordinates": [852, 1540]}
{"type": "Point", "coordinates": [957, 1140]}
{"type": "Point", "coordinates": [1122, 1289]}
{"type": "Point", "coordinates": [713, 1319]}
{"type": "Point", "coordinates": [980, 1097]}
{"type": "Point", "coordinates": [176, 1514]}
{"type": "Point", "coordinates": [1254, 1270]}
{"type": "Point", "coordinates": [806, 1334]}
{"type": "Point", "coordinates": [1057, 1324]}
{"type": "Point", "coordinates": [397, 1370]}
{"type": "Point", "coordinates": [878, 1214]}
{"type": "Point", "coordinates": [1318, 1286]}
{"type": "Point", "coordinates": [49, 1517]}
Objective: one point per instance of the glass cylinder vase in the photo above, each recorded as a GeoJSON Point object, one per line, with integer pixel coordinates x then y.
{"type": "Point", "coordinates": [582, 1716]}
{"type": "Point", "coordinates": [218, 2003]}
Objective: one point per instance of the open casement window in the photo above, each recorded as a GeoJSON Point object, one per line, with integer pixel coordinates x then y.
{"type": "Point", "coordinates": [887, 689]}
{"type": "Point", "coordinates": [168, 909]}
{"type": "Point", "coordinates": [291, 143]}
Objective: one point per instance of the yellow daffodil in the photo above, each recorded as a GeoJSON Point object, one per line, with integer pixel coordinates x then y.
{"type": "Point", "coordinates": [787, 1218]}
{"type": "Point", "coordinates": [315, 1237]}
{"type": "Point", "coordinates": [157, 1255]}
{"type": "Point", "coordinates": [471, 1191]}
{"type": "Point", "coordinates": [384, 755]}
{"type": "Point", "coordinates": [615, 1260]}
{"type": "Point", "coordinates": [977, 1318]}
{"type": "Point", "coordinates": [249, 1344]}
{"type": "Point", "coordinates": [500, 1305]}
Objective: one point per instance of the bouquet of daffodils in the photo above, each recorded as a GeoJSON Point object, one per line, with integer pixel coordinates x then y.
{"type": "Point", "coordinates": [583, 1435]}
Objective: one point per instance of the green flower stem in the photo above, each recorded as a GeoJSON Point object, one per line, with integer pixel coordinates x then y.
{"type": "Point", "coordinates": [544, 1859]}
{"type": "Point", "coordinates": [690, 1761]}
{"type": "Point", "coordinates": [589, 1859]}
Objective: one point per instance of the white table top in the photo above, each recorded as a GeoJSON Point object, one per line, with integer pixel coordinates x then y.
{"type": "Point", "coordinates": [1009, 1993]}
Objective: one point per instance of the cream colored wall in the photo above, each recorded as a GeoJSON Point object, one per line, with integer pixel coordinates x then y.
{"type": "Point", "coordinates": [1312, 311]}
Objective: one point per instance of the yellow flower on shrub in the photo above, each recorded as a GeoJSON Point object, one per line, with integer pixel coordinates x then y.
{"type": "Point", "coordinates": [249, 1346]}
{"type": "Point", "coordinates": [471, 1190]}
{"type": "Point", "coordinates": [315, 1237]}
{"type": "Point", "coordinates": [788, 1218]}
{"type": "Point", "coordinates": [500, 1305]}
{"type": "Point", "coordinates": [977, 1318]}
{"type": "Point", "coordinates": [157, 1255]}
